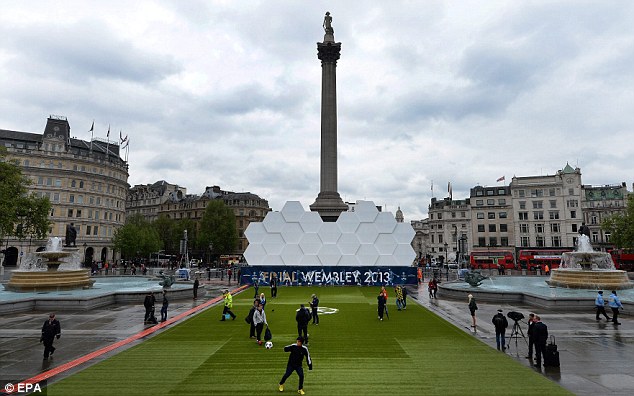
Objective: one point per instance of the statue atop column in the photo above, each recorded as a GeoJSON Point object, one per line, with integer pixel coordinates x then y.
{"type": "Point", "coordinates": [330, 32]}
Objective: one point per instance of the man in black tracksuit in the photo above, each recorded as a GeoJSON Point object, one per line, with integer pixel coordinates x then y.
{"type": "Point", "coordinates": [295, 359]}
{"type": "Point", "coordinates": [541, 336]}
{"type": "Point", "coordinates": [50, 330]}
{"type": "Point", "coordinates": [302, 317]}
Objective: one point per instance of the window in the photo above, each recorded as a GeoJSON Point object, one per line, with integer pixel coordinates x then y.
{"type": "Point", "coordinates": [537, 204]}
{"type": "Point", "coordinates": [493, 241]}
{"type": "Point", "coordinates": [501, 191]}
{"type": "Point", "coordinates": [504, 241]}
{"type": "Point", "coordinates": [555, 241]}
{"type": "Point", "coordinates": [522, 204]}
{"type": "Point", "coordinates": [490, 201]}
{"type": "Point", "coordinates": [524, 228]}
{"type": "Point", "coordinates": [95, 230]}
{"type": "Point", "coordinates": [574, 228]}
{"type": "Point", "coordinates": [492, 228]}
{"type": "Point", "coordinates": [81, 184]}
{"type": "Point", "coordinates": [503, 228]}
{"type": "Point", "coordinates": [479, 202]}
{"type": "Point", "coordinates": [491, 215]}
{"type": "Point", "coordinates": [78, 214]}
{"type": "Point", "coordinates": [479, 193]}
{"type": "Point", "coordinates": [521, 193]}
{"type": "Point", "coordinates": [595, 236]}
{"type": "Point", "coordinates": [463, 214]}
{"type": "Point", "coordinates": [553, 204]}
{"type": "Point", "coordinates": [432, 238]}
{"type": "Point", "coordinates": [52, 211]}
{"type": "Point", "coordinates": [525, 241]}
{"type": "Point", "coordinates": [480, 215]}
{"type": "Point", "coordinates": [502, 215]}
{"type": "Point", "coordinates": [523, 215]}
{"type": "Point", "coordinates": [539, 228]}
{"type": "Point", "coordinates": [70, 213]}
{"type": "Point", "coordinates": [71, 198]}
{"type": "Point", "coordinates": [551, 192]}
{"type": "Point", "coordinates": [607, 237]}
{"type": "Point", "coordinates": [539, 241]}
{"type": "Point", "coordinates": [501, 201]}
{"type": "Point", "coordinates": [571, 191]}
{"type": "Point", "coordinates": [480, 227]}
{"type": "Point", "coordinates": [439, 238]}
{"type": "Point", "coordinates": [453, 215]}
{"type": "Point", "coordinates": [553, 215]}
{"type": "Point", "coordinates": [538, 192]}
{"type": "Point", "coordinates": [58, 183]}
{"type": "Point", "coordinates": [439, 216]}
{"type": "Point", "coordinates": [572, 203]}
{"type": "Point", "coordinates": [555, 228]}
{"type": "Point", "coordinates": [573, 214]}
{"type": "Point", "coordinates": [88, 229]}
{"type": "Point", "coordinates": [593, 219]}
{"type": "Point", "coordinates": [55, 197]}
{"type": "Point", "coordinates": [482, 241]}
{"type": "Point", "coordinates": [538, 215]}
{"type": "Point", "coordinates": [73, 183]}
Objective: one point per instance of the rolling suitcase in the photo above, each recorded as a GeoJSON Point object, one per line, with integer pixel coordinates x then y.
{"type": "Point", "coordinates": [551, 354]}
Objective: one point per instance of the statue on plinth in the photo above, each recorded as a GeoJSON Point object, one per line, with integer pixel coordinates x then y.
{"type": "Point", "coordinates": [71, 235]}
{"type": "Point", "coordinates": [474, 278]}
{"type": "Point", "coordinates": [328, 24]}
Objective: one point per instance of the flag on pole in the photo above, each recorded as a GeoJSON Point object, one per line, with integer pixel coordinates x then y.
{"type": "Point", "coordinates": [432, 188]}
{"type": "Point", "coordinates": [92, 133]}
{"type": "Point", "coordinates": [449, 190]}
{"type": "Point", "coordinates": [108, 134]}
{"type": "Point", "coordinates": [122, 139]}
{"type": "Point", "coordinates": [501, 179]}
{"type": "Point", "coordinates": [92, 128]}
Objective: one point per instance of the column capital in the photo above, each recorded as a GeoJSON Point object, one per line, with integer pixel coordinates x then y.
{"type": "Point", "coordinates": [328, 52]}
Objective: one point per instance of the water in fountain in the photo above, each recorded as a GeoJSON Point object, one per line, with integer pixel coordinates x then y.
{"type": "Point", "coordinates": [584, 257]}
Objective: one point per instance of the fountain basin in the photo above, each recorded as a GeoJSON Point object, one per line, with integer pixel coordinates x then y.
{"type": "Point", "coordinates": [51, 280]}
{"type": "Point", "coordinates": [589, 279]}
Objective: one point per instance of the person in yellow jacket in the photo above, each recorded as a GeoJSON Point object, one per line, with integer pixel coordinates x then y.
{"type": "Point", "coordinates": [228, 306]}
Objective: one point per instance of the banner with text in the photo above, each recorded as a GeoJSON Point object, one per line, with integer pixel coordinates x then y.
{"type": "Point", "coordinates": [328, 276]}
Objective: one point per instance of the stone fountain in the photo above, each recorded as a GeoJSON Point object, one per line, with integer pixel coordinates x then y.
{"type": "Point", "coordinates": [45, 274]}
{"type": "Point", "coordinates": [586, 269]}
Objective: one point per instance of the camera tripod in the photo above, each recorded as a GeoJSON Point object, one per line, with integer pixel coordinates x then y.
{"type": "Point", "coordinates": [516, 333]}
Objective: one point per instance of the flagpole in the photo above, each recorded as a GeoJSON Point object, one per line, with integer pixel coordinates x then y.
{"type": "Point", "coordinates": [92, 133]}
{"type": "Point", "coordinates": [108, 142]}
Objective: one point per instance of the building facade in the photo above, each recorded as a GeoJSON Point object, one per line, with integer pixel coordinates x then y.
{"type": "Point", "coordinates": [86, 183]}
{"type": "Point", "coordinates": [492, 218]}
{"type": "Point", "coordinates": [449, 229]}
{"type": "Point", "coordinates": [599, 203]}
{"type": "Point", "coordinates": [146, 199]}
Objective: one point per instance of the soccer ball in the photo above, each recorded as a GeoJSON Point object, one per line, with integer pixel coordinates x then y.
{"type": "Point", "coordinates": [268, 345]}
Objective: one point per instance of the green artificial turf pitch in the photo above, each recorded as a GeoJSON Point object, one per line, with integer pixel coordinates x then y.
{"type": "Point", "coordinates": [414, 352]}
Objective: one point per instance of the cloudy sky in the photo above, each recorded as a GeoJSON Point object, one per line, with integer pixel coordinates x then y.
{"type": "Point", "coordinates": [228, 92]}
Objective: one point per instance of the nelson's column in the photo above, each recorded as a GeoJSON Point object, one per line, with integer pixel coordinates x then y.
{"type": "Point", "coordinates": [328, 203]}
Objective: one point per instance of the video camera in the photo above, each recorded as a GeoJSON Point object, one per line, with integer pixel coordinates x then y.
{"type": "Point", "coordinates": [516, 316]}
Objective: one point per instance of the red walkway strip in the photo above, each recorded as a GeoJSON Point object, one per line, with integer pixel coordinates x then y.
{"type": "Point", "coordinates": [81, 360]}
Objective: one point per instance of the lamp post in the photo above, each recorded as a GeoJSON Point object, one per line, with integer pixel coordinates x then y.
{"type": "Point", "coordinates": [463, 248]}
{"type": "Point", "coordinates": [85, 247]}
{"type": "Point", "coordinates": [446, 262]}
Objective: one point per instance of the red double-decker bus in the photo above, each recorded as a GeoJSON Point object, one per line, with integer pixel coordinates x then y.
{"type": "Point", "coordinates": [533, 259]}
{"type": "Point", "coordinates": [491, 259]}
{"type": "Point", "coordinates": [623, 259]}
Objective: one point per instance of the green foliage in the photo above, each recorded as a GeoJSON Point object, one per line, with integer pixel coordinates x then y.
{"type": "Point", "coordinates": [136, 238]}
{"type": "Point", "coordinates": [621, 226]}
{"type": "Point", "coordinates": [218, 227]}
{"type": "Point", "coordinates": [415, 352]}
{"type": "Point", "coordinates": [23, 214]}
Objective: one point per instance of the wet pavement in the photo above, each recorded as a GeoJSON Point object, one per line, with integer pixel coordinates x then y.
{"type": "Point", "coordinates": [595, 356]}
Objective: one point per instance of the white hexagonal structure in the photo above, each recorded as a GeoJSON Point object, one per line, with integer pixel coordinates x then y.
{"type": "Point", "coordinates": [295, 237]}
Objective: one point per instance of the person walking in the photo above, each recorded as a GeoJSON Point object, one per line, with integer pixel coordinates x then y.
{"type": "Point", "coordinates": [302, 317]}
{"type": "Point", "coordinates": [50, 330]}
{"type": "Point", "coordinates": [229, 273]}
{"type": "Point", "coordinates": [314, 306]}
{"type": "Point", "coordinates": [531, 335]}
{"type": "Point", "coordinates": [148, 303]}
{"type": "Point", "coordinates": [166, 304]}
{"type": "Point", "coordinates": [404, 297]}
{"type": "Point", "coordinates": [256, 286]}
{"type": "Point", "coordinates": [196, 284]}
{"type": "Point", "coordinates": [274, 285]}
{"type": "Point", "coordinates": [263, 300]}
{"type": "Point", "coordinates": [473, 307]}
{"type": "Point", "coordinates": [600, 306]}
{"type": "Point", "coordinates": [500, 323]}
{"type": "Point", "coordinates": [381, 305]}
{"type": "Point", "coordinates": [419, 275]}
{"type": "Point", "coordinates": [228, 305]}
{"type": "Point", "coordinates": [249, 318]}
{"type": "Point", "coordinates": [541, 336]}
{"type": "Point", "coordinates": [615, 305]}
{"type": "Point", "coordinates": [398, 290]}
{"type": "Point", "coordinates": [259, 320]}
{"type": "Point", "coordinates": [295, 360]}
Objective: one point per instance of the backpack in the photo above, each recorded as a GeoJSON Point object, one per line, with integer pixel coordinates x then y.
{"type": "Point", "coordinates": [498, 321]}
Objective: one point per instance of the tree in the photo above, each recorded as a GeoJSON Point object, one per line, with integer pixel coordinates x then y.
{"type": "Point", "coordinates": [218, 227]}
{"type": "Point", "coordinates": [137, 237]}
{"type": "Point", "coordinates": [23, 214]}
{"type": "Point", "coordinates": [621, 226]}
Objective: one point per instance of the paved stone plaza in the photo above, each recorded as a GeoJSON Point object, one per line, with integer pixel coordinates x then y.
{"type": "Point", "coordinates": [595, 356]}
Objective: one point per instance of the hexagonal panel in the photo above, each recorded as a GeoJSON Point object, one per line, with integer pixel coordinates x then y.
{"type": "Point", "coordinates": [255, 233]}
{"type": "Point", "coordinates": [310, 244]}
{"type": "Point", "coordinates": [292, 233]}
{"type": "Point", "coordinates": [349, 259]}
{"type": "Point", "coordinates": [310, 259]}
{"type": "Point", "coordinates": [272, 259]}
{"type": "Point", "coordinates": [348, 244]}
{"type": "Point", "coordinates": [273, 244]}
{"type": "Point", "coordinates": [366, 211]}
{"type": "Point", "coordinates": [292, 211]}
{"type": "Point", "coordinates": [385, 223]}
{"type": "Point", "coordinates": [329, 233]}
{"type": "Point", "coordinates": [367, 254]}
{"type": "Point", "coordinates": [385, 244]}
{"type": "Point", "coordinates": [386, 259]}
{"type": "Point", "coordinates": [329, 254]}
{"type": "Point", "coordinates": [291, 254]}
{"type": "Point", "coordinates": [367, 233]}
{"type": "Point", "coordinates": [311, 222]}
{"type": "Point", "coordinates": [404, 233]}
{"type": "Point", "coordinates": [404, 255]}
{"type": "Point", "coordinates": [273, 222]}
{"type": "Point", "coordinates": [254, 254]}
{"type": "Point", "coordinates": [348, 222]}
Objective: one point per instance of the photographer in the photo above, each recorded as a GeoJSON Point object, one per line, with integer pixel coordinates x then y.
{"type": "Point", "coordinates": [500, 323]}
{"type": "Point", "coordinates": [531, 334]}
